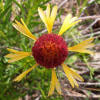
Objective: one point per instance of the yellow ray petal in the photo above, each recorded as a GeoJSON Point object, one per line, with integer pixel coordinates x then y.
{"type": "Point", "coordinates": [73, 19]}
{"type": "Point", "coordinates": [65, 27]}
{"type": "Point", "coordinates": [74, 74]}
{"type": "Point", "coordinates": [43, 17]}
{"type": "Point", "coordinates": [47, 18]}
{"type": "Point", "coordinates": [87, 41]}
{"type": "Point", "coordinates": [75, 82]}
{"type": "Point", "coordinates": [57, 84]}
{"type": "Point", "coordinates": [18, 52]}
{"type": "Point", "coordinates": [73, 79]}
{"type": "Point", "coordinates": [83, 51]}
{"type": "Point", "coordinates": [23, 29]}
{"type": "Point", "coordinates": [17, 55]}
{"type": "Point", "coordinates": [19, 78]}
{"type": "Point", "coordinates": [27, 31]}
{"type": "Point", "coordinates": [52, 85]}
{"type": "Point", "coordinates": [16, 58]}
{"type": "Point", "coordinates": [48, 11]}
{"type": "Point", "coordinates": [68, 22]}
{"type": "Point", "coordinates": [68, 75]}
{"type": "Point", "coordinates": [82, 46]}
{"type": "Point", "coordinates": [65, 23]}
{"type": "Point", "coordinates": [9, 55]}
{"type": "Point", "coordinates": [53, 16]}
{"type": "Point", "coordinates": [12, 50]}
{"type": "Point", "coordinates": [51, 19]}
{"type": "Point", "coordinates": [49, 25]}
{"type": "Point", "coordinates": [20, 28]}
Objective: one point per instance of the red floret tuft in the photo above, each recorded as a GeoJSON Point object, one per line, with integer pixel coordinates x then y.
{"type": "Point", "coordinates": [50, 50]}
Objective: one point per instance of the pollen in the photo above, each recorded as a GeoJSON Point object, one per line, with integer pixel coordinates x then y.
{"type": "Point", "coordinates": [50, 50]}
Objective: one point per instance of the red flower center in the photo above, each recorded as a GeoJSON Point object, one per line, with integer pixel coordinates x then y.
{"type": "Point", "coordinates": [50, 50]}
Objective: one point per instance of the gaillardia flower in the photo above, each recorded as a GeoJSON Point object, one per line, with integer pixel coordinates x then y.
{"type": "Point", "coordinates": [50, 50]}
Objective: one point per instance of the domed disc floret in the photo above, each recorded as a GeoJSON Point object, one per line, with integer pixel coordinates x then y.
{"type": "Point", "coordinates": [50, 50]}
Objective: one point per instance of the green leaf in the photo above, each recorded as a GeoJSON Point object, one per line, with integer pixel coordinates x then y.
{"type": "Point", "coordinates": [71, 59]}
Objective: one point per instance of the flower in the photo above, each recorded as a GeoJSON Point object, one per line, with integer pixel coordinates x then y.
{"type": "Point", "coordinates": [50, 50]}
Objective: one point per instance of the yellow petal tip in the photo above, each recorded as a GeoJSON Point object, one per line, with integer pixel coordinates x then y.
{"type": "Point", "coordinates": [16, 80]}
{"type": "Point", "coordinates": [39, 9]}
